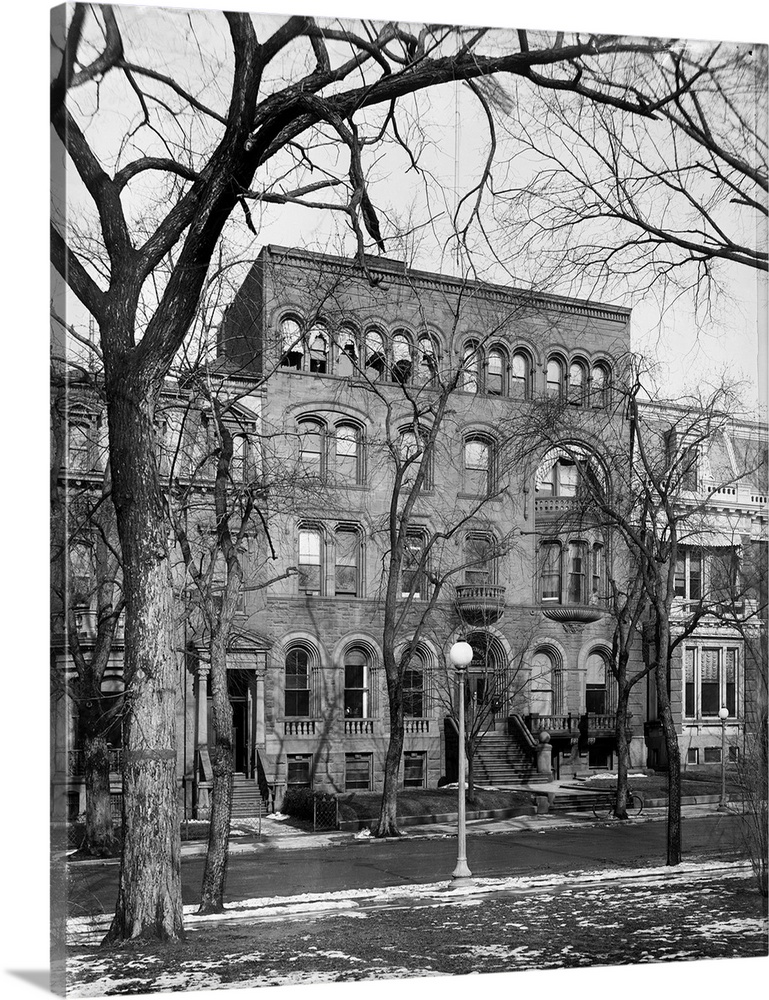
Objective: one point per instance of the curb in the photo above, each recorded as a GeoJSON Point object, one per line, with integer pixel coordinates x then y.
{"type": "Point", "coordinates": [355, 825]}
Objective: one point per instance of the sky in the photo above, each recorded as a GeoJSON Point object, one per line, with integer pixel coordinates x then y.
{"type": "Point", "coordinates": [25, 408]}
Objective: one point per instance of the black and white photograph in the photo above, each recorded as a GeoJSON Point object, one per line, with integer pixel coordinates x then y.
{"type": "Point", "coordinates": [407, 499]}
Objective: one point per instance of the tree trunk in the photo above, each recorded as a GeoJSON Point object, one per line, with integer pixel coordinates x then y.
{"type": "Point", "coordinates": [623, 752]}
{"type": "Point", "coordinates": [387, 825]}
{"type": "Point", "coordinates": [671, 742]}
{"type": "Point", "coordinates": [99, 840]}
{"type": "Point", "coordinates": [215, 873]}
{"type": "Point", "coordinates": [149, 902]}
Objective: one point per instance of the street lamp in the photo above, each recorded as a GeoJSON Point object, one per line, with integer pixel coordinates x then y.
{"type": "Point", "coordinates": [723, 715]}
{"type": "Point", "coordinates": [460, 654]}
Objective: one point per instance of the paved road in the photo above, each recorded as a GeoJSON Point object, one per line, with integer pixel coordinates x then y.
{"type": "Point", "coordinates": [356, 864]}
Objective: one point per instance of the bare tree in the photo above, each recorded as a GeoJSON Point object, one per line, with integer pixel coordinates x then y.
{"type": "Point", "coordinates": [289, 95]}
{"type": "Point", "coordinates": [651, 499]}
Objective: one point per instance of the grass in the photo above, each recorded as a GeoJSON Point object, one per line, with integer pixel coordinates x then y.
{"type": "Point", "coordinates": [428, 802]}
{"type": "Point", "coordinates": [704, 781]}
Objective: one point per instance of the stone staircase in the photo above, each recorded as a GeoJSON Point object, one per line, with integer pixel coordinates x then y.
{"type": "Point", "coordinates": [501, 760]}
{"type": "Point", "coordinates": [246, 799]}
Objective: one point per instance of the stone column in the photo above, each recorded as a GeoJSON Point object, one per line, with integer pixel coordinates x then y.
{"type": "Point", "coordinates": [201, 787]}
{"type": "Point", "coordinates": [261, 734]}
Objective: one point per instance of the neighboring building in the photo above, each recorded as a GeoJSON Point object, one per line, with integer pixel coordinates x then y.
{"type": "Point", "coordinates": [324, 366]}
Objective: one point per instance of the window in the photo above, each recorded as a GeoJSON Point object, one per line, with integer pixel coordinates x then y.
{"type": "Point", "coordinates": [297, 684]}
{"type": "Point", "coordinates": [310, 561]}
{"type": "Point", "coordinates": [413, 688]}
{"type": "Point", "coordinates": [375, 358]}
{"type": "Point", "coordinates": [312, 447]}
{"type": "Point", "coordinates": [712, 755]}
{"type": "Point", "coordinates": [724, 566]}
{"type": "Point", "coordinates": [428, 366]}
{"type": "Point", "coordinates": [413, 572]}
{"type": "Point", "coordinates": [414, 769]}
{"type": "Point", "coordinates": [477, 466]}
{"type": "Point", "coordinates": [79, 447]}
{"type": "Point", "coordinates": [687, 581]}
{"type": "Point", "coordinates": [238, 462]}
{"type": "Point", "coordinates": [554, 378]}
{"type": "Point", "coordinates": [598, 700]}
{"type": "Point", "coordinates": [479, 567]}
{"type": "Point", "coordinates": [401, 366]}
{"type": "Point", "coordinates": [550, 574]}
{"type": "Point", "coordinates": [292, 347]}
{"type": "Point", "coordinates": [356, 680]}
{"type": "Point", "coordinates": [599, 386]}
{"type": "Point", "coordinates": [317, 338]}
{"type": "Point", "coordinates": [546, 683]}
{"type": "Point", "coordinates": [357, 771]}
{"type": "Point", "coordinates": [577, 592]}
{"type": "Point", "coordinates": [688, 467]}
{"type": "Point", "coordinates": [348, 454]}
{"type": "Point", "coordinates": [496, 370]}
{"type": "Point", "coordinates": [346, 360]}
{"type": "Point", "coordinates": [577, 379]}
{"type": "Point", "coordinates": [411, 449]}
{"type": "Point", "coordinates": [299, 770]}
{"type": "Point", "coordinates": [470, 379]}
{"type": "Point", "coordinates": [576, 473]}
{"type": "Point", "coordinates": [598, 587]}
{"type": "Point", "coordinates": [521, 375]}
{"type": "Point", "coordinates": [710, 681]}
{"type": "Point", "coordinates": [692, 755]}
{"type": "Point", "coordinates": [82, 575]}
{"type": "Point", "coordinates": [347, 578]}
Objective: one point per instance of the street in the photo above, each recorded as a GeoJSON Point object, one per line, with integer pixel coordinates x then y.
{"type": "Point", "coordinates": [415, 860]}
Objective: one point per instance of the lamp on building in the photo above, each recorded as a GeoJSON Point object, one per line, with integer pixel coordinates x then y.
{"type": "Point", "coordinates": [723, 715]}
{"type": "Point", "coordinates": [460, 654]}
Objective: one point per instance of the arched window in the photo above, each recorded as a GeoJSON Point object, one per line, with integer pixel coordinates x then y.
{"type": "Point", "coordinates": [550, 574]}
{"type": "Point", "coordinates": [347, 569]}
{"type": "Point", "coordinates": [312, 447]}
{"type": "Point", "coordinates": [297, 683]}
{"type": "Point", "coordinates": [599, 689]}
{"type": "Point", "coordinates": [427, 368]}
{"type": "Point", "coordinates": [521, 375]}
{"type": "Point", "coordinates": [414, 687]}
{"type": "Point", "coordinates": [599, 385]}
{"type": "Point", "coordinates": [546, 684]}
{"type": "Point", "coordinates": [554, 377]}
{"type": "Point", "coordinates": [411, 448]}
{"type": "Point", "coordinates": [375, 357]}
{"type": "Point", "coordinates": [357, 680]}
{"type": "Point", "coordinates": [402, 361]}
{"type": "Point", "coordinates": [292, 347]}
{"type": "Point", "coordinates": [478, 466]}
{"type": "Point", "coordinates": [311, 570]}
{"type": "Point", "coordinates": [318, 343]}
{"type": "Point", "coordinates": [484, 674]}
{"type": "Point", "coordinates": [577, 383]}
{"type": "Point", "coordinates": [470, 368]}
{"type": "Point", "coordinates": [479, 564]}
{"type": "Point", "coordinates": [348, 454]}
{"type": "Point", "coordinates": [346, 360]}
{"type": "Point", "coordinates": [496, 372]}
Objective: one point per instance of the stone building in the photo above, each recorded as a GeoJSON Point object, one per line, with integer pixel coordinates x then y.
{"type": "Point", "coordinates": [335, 377]}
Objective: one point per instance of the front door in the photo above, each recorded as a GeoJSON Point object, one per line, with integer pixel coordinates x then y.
{"type": "Point", "coordinates": [242, 690]}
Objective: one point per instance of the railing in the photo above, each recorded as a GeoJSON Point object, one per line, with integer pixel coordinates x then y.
{"type": "Point", "coordinates": [601, 721]}
{"type": "Point", "coordinates": [416, 725]}
{"type": "Point", "coordinates": [299, 727]}
{"type": "Point", "coordinates": [76, 761]}
{"type": "Point", "coordinates": [358, 727]}
{"type": "Point", "coordinates": [553, 723]}
{"type": "Point", "coordinates": [555, 505]}
{"type": "Point", "coordinates": [515, 724]}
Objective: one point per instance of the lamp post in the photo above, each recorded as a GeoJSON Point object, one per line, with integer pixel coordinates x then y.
{"type": "Point", "coordinates": [723, 715]}
{"type": "Point", "coordinates": [460, 654]}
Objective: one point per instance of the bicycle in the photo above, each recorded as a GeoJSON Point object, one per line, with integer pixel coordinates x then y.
{"type": "Point", "coordinates": [606, 805]}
